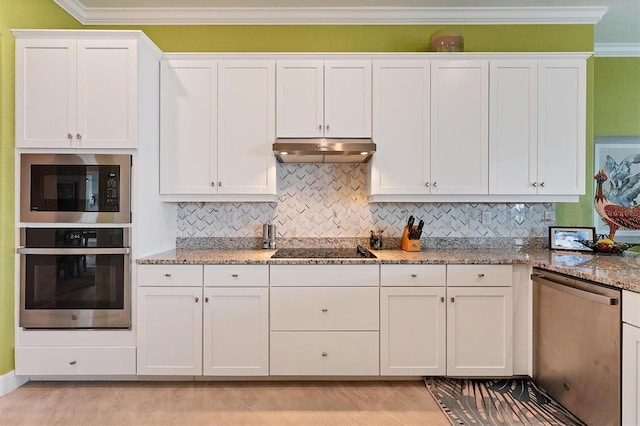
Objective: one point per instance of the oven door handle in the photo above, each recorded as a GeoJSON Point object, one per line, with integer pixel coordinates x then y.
{"type": "Point", "coordinates": [594, 297]}
{"type": "Point", "coordinates": [74, 251]}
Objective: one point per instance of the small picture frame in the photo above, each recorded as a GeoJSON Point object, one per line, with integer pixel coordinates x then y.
{"type": "Point", "coordinates": [569, 237]}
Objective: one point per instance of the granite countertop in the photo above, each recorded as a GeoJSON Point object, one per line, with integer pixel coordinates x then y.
{"type": "Point", "coordinates": [616, 271]}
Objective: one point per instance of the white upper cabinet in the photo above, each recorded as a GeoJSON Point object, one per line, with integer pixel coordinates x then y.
{"type": "Point", "coordinates": [79, 90]}
{"type": "Point", "coordinates": [537, 127]}
{"type": "Point", "coordinates": [459, 126]}
{"type": "Point", "coordinates": [561, 126]}
{"type": "Point", "coordinates": [218, 127]}
{"type": "Point", "coordinates": [401, 164]}
{"type": "Point", "coordinates": [318, 98]}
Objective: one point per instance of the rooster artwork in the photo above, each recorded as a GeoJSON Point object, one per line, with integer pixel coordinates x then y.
{"type": "Point", "coordinates": [616, 198]}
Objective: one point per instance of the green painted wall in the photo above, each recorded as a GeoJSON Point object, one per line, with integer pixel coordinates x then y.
{"type": "Point", "coordinates": [45, 14]}
{"type": "Point", "coordinates": [617, 97]}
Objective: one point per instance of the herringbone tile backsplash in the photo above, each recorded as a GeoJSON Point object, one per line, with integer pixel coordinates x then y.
{"type": "Point", "coordinates": [330, 200]}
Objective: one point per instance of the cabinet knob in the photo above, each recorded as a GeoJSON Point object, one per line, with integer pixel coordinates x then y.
{"type": "Point", "coordinates": [325, 310]}
{"type": "Point", "coordinates": [327, 127]}
{"type": "Point", "coordinates": [442, 299]}
{"type": "Point", "coordinates": [72, 362]}
{"type": "Point", "coordinates": [320, 127]}
{"type": "Point", "coordinates": [452, 299]}
{"type": "Point", "coordinates": [435, 184]}
{"type": "Point", "coordinates": [79, 136]}
{"type": "Point", "coordinates": [167, 275]}
{"type": "Point", "coordinates": [324, 354]}
{"type": "Point", "coordinates": [206, 300]}
{"type": "Point", "coordinates": [480, 275]}
{"type": "Point", "coordinates": [219, 183]}
{"type": "Point", "coordinates": [197, 299]}
{"type": "Point", "coordinates": [213, 184]}
{"type": "Point", "coordinates": [542, 184]}
{"type": "Point", "coordinates": [426, 184]}
{"type": "Point", "coordinates": [534, 184]}
{"type": "Point", "coordinates": [69, 136]}
{"type": "Point", "coordinates": [234, 275]}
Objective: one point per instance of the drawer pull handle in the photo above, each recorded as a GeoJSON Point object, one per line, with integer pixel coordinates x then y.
{"type": "Point", "coordinates": [72, 362]}
{"type": "Point", "coordinates": [325, 310]}
{"type": "Point", "coordinates": [167, 275]}
{"type": "Point", "coordinates": [481, 275]}
{"type": "Point", "coordinates": [324, 354]}
{"type": "Point", "coordinates": [234, 275]}
{"type": "Point", "coordinates": [414, 275]}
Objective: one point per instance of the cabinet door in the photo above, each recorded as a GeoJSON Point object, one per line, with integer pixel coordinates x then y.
{"type": "Point", "coordinates": [513, 138]}
{"type": "Point", "coordinates": [630, 374]}
{"type": "Point", "coordinates": [246, 127]}
{"type": "Point", "coordinates": [299, 94]}
{"type": "Point", "coordinates": [107, 94]}
{"type": "Point", "coordinates": [45, 93]}
{"type": "Point", "coordinates": [400, 128]}
{"type": "Point", "coordinates": [562, 127]}
{"type": "Point", "coordinates": [236, 332]}
{"type": "Point", "coordinates": [412, 331]}
{"type": "Point", "coordinates": [188, 138]}
{"type": "Point", "coordinates": [479, 331]}
{"type": "Point", "coordinates": [459, 127]}
{"type": "Point", "coordinates": [170, 330]}
{"type": "Point", "coordinates": [347, 99]}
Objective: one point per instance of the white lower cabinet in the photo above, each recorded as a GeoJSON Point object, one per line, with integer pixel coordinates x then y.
{"type": "Point", "coordinates": [479, 320]}
{"type": "Point", "coordinates": [630, 358]}
{"type": "Point", "coordinates": [71, 361]}
{"type": "Point", "coordinates": [218, 330]}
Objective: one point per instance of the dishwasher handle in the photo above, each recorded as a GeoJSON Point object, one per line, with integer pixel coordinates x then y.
{"type": "Point", "coordinates": [594, 297]}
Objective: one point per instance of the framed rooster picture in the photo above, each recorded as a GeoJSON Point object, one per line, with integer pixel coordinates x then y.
{"type": "Point", "coordinates": [617, 187]}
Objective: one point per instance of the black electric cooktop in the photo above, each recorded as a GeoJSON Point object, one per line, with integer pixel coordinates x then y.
{"type": "Point", "coordinates": [323, 253]}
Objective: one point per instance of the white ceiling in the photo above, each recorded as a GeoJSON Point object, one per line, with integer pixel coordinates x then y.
{"type": "Point", "coordinates": [620, 23]}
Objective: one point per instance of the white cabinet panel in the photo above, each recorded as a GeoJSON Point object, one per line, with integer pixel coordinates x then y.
{"type": "Point", "coordinates": [459, 127]}
{"type": "Point", "coordinates": [170, 330]}
{"type": "Point", "coordinates": [236, 332]}
{"type": "Point", "coordinates": [71, 361]}
{"type": "Point", "coordinates": [479, 275]}
{"type": "Point", "coordinates": [236, 275]}
{"type": "Point", "coordinates": [324, 275]}
{"type": "Point", "coordinates": [401, 126]}
{"type": "Point", "coordinates": [513, 130]}
{"type": "Point", "coordinates": [412, 331]}
{"type": "Point", "coordinates": [324, 308]}
{"type": "Point", "coordinates": [169, 275]}
{"type": "Point", "coordinates": [189, 135]}
{"type": "Point", "coordinates": [479, 331]}
{"type": "Point", "coordinates": [323, 98]}
{"type": "Point", "coordinates": [413, 275]}
{"type": "Point", "coordinates": [324, 353]}
{"type": "Point", "coordinates": [562, 127]}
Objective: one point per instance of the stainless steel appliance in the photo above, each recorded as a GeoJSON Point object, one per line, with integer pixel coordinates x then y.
{"type": "Point", "coordinates": [323, 150]}
{"type": "Point", "coordinates": [75, 188]}
{"type": "Point", "coordinates": [75, 278]}
{"type": "Point", "coordinates": [323, 253]}
{"type": "Point", "coordinates": [576, 345]}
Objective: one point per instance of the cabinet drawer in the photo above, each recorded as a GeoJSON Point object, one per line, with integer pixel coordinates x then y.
{"type": "Point", "coordinates": [236, 275]}
{"type": "Point", "coordinates": [170, 275]}
{"type": "Point", "coordinates": [479, 275]}
{"type": "Point", "coordinates": [324, 275]}
{"type": "Point", "coordinates": [68, 361]}
{"type": "Point", "coordinates": [324, 308]}
{"type": "Point", "coordinates": [324, 353]}
{"type": "Point", "coordinates": [413, 275]}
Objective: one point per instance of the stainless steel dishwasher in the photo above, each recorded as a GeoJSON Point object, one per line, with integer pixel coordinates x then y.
{"type": "Point", "coordinates": [576, 345]}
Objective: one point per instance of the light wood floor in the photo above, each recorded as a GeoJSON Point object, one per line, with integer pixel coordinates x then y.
{"type": "Point", "coordinates": [221, 403]}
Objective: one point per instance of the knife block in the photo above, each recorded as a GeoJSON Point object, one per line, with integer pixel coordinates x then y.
{"type": "Point", "coordinates": [406, 243]}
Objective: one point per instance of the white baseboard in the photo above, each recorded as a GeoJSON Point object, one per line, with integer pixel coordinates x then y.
{"type": "Point", "coordinates": [10, 382]}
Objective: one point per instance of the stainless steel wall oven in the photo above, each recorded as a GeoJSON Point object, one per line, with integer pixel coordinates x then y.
{"type": "Point", "coordinates": [75, 278]}
{"type": "Point", "coordinates": [75, 188]}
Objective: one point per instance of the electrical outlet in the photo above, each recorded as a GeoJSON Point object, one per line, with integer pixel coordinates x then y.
{"type": "Point", "coordinates": [549, 216]}
{"type": "Point", "coordinates": [486, 218]}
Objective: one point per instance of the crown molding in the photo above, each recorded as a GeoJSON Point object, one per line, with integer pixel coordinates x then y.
{"type": "Point", "coordinates": [613, 50]}
{"type": "Point", "coordinates": [330, 15]}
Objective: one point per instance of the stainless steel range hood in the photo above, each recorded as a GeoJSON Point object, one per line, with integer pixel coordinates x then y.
{"type": "Point", "coordinates": [323, 150]}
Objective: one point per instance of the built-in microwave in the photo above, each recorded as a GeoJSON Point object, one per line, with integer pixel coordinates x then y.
{"type": "Point", "coordinates": [75, 188]}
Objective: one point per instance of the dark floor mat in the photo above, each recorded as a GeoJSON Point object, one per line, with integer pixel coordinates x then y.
{"type": "Point", "coordinates": [497, 402]}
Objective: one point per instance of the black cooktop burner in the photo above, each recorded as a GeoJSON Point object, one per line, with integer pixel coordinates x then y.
{"type": "Point", "coordinates": [323, 253]}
